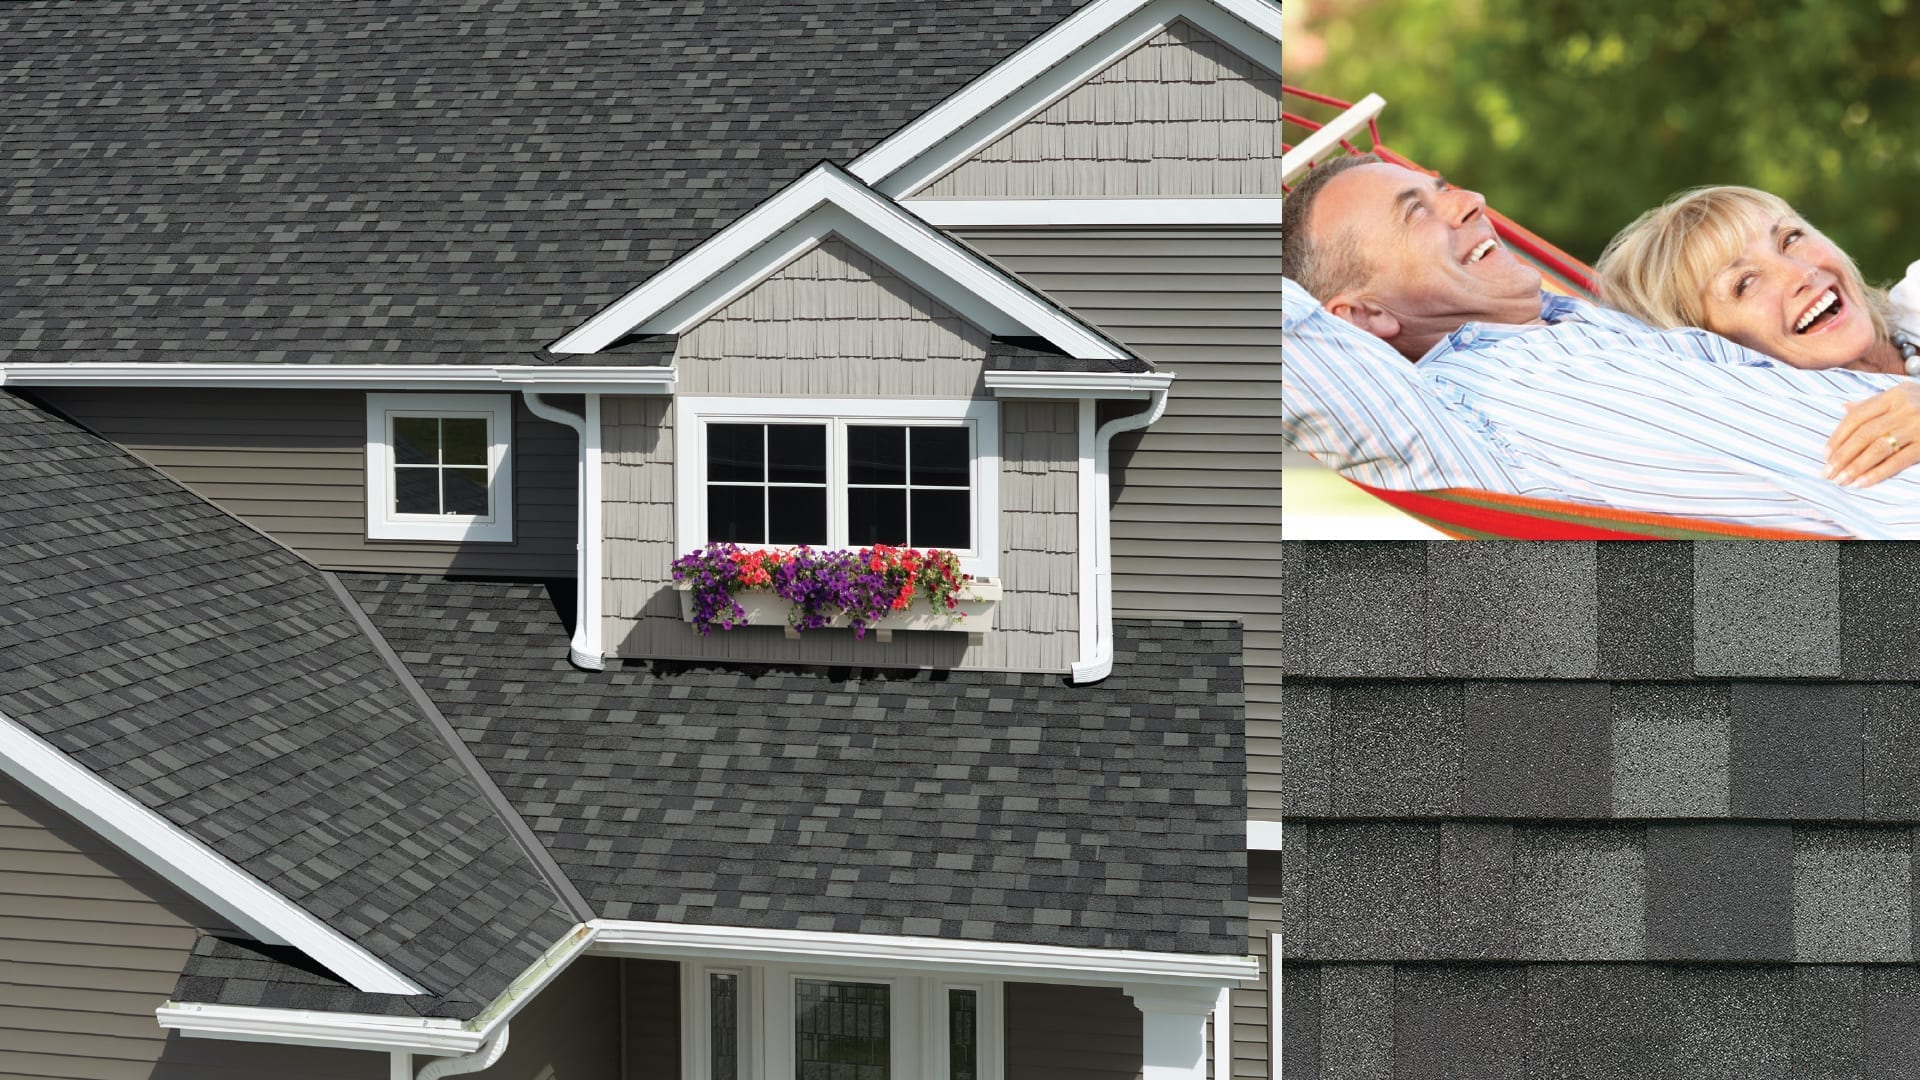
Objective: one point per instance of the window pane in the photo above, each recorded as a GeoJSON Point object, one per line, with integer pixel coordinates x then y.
{"type": "Point", "coordinates": [466, 491]}
{"type": "Point", "coordinates": [940, 456]}
{"type": "Point", "coordinates": [416, 441]}
{"type": "Point", "coordinates": [736, 514]}
{"type": "Point", "coordinates": [416, 491]}
{"type": "Point", "coordinates": [724, 1007]}
{"type": "Point", "coordinates": [736, 452]}
{"type": "Point", "coordinates": [796, 515]}
{"type": "Point", "coordinates": [841, 1030]}
{"type": "Point", "coordinates": [962, 1055]}
{"type": "Point", "coordinates": [876, 516]}
{"type": "Point", "coordinates": [876, 455]}
{"type": "Point", "coordinates": [797, 453]}
{"type": "Point", "coordinates": [941, 519]}
{"type": "Point", "coordinates": [463, 441]}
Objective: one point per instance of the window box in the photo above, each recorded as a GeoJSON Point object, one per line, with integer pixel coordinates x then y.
{"type": "Point", "coordinates": [974, 616]}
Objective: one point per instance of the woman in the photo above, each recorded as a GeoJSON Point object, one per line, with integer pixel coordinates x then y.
{"type": "Point", "coordinates": [1743, 264]}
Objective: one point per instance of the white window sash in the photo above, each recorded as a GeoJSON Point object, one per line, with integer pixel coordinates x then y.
{"type": "Point", "coordinates": [384, 523]}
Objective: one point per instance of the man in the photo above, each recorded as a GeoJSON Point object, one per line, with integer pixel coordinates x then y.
{"type": "Point", "coordinates": [1518, 392]}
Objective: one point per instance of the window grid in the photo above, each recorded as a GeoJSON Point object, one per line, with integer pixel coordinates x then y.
{"type": "Point", "coordinates": [442, 490]}
{"type": "Point", "coordinates": [908, 486]}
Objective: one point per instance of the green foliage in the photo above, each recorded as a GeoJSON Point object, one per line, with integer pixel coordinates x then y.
{"type": "Point", "coordinates": [1573, 116]}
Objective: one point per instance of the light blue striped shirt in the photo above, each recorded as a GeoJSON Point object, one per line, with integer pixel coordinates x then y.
{"type": "Point", "coordinates": [1595, 407]}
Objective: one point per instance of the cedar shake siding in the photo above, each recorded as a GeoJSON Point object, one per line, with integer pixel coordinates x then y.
{"type": "Point", "coordinates": [92, 942]}
{"type": "Point", "coordinates": [1583, 809]}
{"type": "Point", "coordinates": [1182, 115]}
{"type": "Point", "coordinates": [293, 464]}
{"type": "Point", "coordinates": [834, 322]}
{"type": "Point", "coordinates": [1196, 516]}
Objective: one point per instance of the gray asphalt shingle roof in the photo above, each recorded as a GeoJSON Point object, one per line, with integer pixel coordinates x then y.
{"type": "Point", "coordinates": [212, 676]}
{"type": "Point", "coordinates": [447, 181]}
{"type": "Point", "coordinates": [976, 805]}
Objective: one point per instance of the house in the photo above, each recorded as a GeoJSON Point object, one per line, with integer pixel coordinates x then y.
{"type": "Point", "coordinates": [366, 368]}
{"type": "Point", "coordinates": [1600, 809]}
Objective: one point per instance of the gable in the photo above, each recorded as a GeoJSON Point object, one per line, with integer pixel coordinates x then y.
{"type": "Point", "coordinates": [834, 321]}
{"type": "Point", "coordinates": [1182, 115]}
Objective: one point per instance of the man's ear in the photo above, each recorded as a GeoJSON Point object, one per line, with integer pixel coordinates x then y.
{"type": "Point", "coordinates": [1364, 313]}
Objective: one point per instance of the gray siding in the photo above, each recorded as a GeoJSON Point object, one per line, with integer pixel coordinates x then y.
{"type": "Point", "coordinates": [570, 1031]}
{"type": "Point", "coordinates": [834, 322]}
{"type": "Point", "coordinates": [293, 464]}
{"type": "Point", "coordinates": [90, 944]}
{"type": "Point", "coordinates": [1071, 1033]}
{"type": "Point", "coordinates": [1196, 518]}
{"type": "Point", "coordinates": [1251, 1022]}
{"type": "Point", "coordinates": [1035, 627]}
{"type": "Point", "coordinates": [1181, 115]}
{"type": "Point", "coordinates": [650, 996]}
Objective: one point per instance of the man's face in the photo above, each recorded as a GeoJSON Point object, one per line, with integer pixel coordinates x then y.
{"type": "Point", "coordinates": [1431, 249]}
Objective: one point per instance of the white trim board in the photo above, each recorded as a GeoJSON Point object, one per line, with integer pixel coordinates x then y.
{"type": "Point", "coordinates": [605, 379]}
{"type": "Point", "coordinates": [1049, 68]}
{"type": "Point", "coordinates": [829, 201]}
{"type": "Point", "coordinates": [385, 523]}
{"type": "Point", "coordinates": [1076, 384]}
{"type": "Point", "coordinates": [1263, 835]}
{"type": "Point", "coordinates": [186, 862]}
{"type": "Point", "coordinates": [966, 213]}
{"type": "Point", "coordinates": [1089, 967]}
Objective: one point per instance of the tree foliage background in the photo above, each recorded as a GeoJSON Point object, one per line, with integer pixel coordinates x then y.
{"type": "Point", "coordinates": [1573, 116]}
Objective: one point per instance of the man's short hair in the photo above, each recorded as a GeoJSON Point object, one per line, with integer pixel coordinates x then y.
{"type": "Point", "coordinates": [1336, 263]}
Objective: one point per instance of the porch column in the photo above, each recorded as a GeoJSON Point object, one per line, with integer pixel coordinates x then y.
{"type": "Point", "coordinates": [1173, 1031]}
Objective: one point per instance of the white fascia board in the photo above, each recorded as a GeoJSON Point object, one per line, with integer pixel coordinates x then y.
{"type": "Point", "coordinates": [540, 379]}
{"type": "Point", "coordinates": [1049, 68]}
{"type": "Point", "coordinates": [1221, 210]}
{"type": "Point", "coordinates": [300, 1027]}
{"type": "Point", "coordinates": [1263, 835]}
{"type": "Point", "coordinates": [779, 229]}
{"type": "Point", "coordinates": [187, 863]}
{"type": "Point", "coordinates": [1097, 967]}
{"type": "Point", "coordinates": [1059, 384]}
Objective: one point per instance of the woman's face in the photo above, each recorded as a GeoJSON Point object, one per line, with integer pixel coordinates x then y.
{"type": "Point", "coordinates": [1787, 295]}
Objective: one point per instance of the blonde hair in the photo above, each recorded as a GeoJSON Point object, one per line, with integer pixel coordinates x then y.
{"type": "Point", "coordinates": [1658, 268]}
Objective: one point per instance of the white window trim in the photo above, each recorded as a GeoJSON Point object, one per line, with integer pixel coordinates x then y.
{"type": "Point", "coordinates": [691, 413]}
{"type": "Point", "coordinates": [917, 1019]}
{"type": "Point", "coordinates": [384, 524]}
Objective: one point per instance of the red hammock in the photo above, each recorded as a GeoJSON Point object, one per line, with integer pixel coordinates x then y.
{"type": "Point", "coordinates": [1466, 514]}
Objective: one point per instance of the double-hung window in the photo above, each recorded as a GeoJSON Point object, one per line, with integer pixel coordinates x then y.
{"type": "Point", "coordinates": [841, 473]}
{"type": "Point", "coordinates": [438, 467]}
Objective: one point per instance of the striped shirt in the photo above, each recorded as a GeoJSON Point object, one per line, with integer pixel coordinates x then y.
{"type": "Point", "coordinates": [1594, 407]}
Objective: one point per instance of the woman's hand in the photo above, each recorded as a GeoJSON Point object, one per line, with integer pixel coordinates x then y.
{"type": "Point", "coordinates": [1877, 438]}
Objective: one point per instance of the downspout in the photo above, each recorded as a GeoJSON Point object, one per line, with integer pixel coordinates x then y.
{"type": "Point", "coordinates": [480, 1059]}
{"type": "Point", "coordinates": [1096, 640]}
{"type": "Point", "coordinates": [584, 650]}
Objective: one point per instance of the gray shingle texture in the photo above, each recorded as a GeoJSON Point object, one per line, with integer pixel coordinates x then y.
{"type": "Point", "coordinates": [975, 805]}
{"type": "Point", "coordinates": [211, 675]}
{"type": "Point", "coordinates": [1766, 609]}
{"type": "Point", "coordinates": [455, 181]}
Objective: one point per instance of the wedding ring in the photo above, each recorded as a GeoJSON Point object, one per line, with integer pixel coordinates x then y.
{"type": "Point", "coordinates": [1893, 441]}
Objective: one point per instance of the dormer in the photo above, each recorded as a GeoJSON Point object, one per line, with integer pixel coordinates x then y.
{"type": "Point", "coordinates": [846, 375]}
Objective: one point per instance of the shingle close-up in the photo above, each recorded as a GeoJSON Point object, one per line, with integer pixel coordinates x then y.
{"type": "Point", "coordinates": [1601, 810]}
{"type": "Point", "coordinates": [213, 676]}
{"type": "Point", "coordinates": [967, 804]}
{"type": "Point", "coordinates": [444, 181]}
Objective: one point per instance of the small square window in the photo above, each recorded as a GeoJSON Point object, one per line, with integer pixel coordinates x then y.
{"type": "Point", "coordinates": [439, 467]}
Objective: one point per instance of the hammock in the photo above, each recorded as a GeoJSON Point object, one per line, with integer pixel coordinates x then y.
{"type": "Point", "coordinates": [1464, 513]}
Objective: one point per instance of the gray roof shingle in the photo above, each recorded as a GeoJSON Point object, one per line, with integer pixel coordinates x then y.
{"type": "Point", "coordinates": [975, 805]}
{"type": "Point", "coordinates": [212, 676]}
{"type": "Point", "coordinates": [449, 181]}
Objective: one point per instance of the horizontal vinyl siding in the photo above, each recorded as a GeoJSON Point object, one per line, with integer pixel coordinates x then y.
{"type": "Point", "coordinates": [292, 463]}
{"type": "Point", "coordinates": [90, 944]}
{"type": "Point", "coordinates": [650, 990]}
{"type": "Point", "coordinates": [571, 1030]}
{"type": "Point", "coordinates": [1196, 518]}
{"type": "Point", "coordinates": [1181, 115]}
{"type": "Point", "coordinates": [1251, 1019]}
{"type": "Point", "coordinates": [1071, 1033]}
{"type": "Point", "coordinates": [1035, 625]}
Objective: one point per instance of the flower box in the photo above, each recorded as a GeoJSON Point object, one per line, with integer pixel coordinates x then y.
{"type": "Point", "coordinates": [974, 616]}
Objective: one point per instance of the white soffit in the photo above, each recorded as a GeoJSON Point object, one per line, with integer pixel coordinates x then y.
{"type": "Point", "coordinates": [187, 863]}
{"type": "Point", "coordinates": [827, 201]}
{"type": "Point", "coordinates": [1056, 62]}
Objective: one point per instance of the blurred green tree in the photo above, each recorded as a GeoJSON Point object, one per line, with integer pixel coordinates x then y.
{"type": "Point", "coordinates": [1573, 116]}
